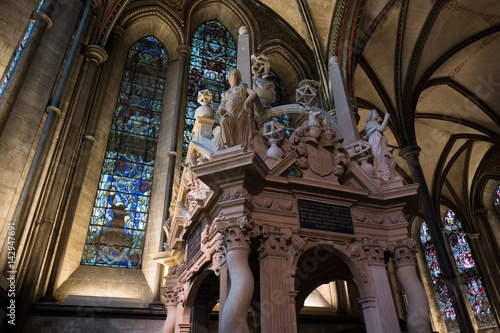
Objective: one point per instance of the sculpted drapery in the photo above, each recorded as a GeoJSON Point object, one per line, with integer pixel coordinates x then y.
{"type": "Point", "coordinates": [235, 116]}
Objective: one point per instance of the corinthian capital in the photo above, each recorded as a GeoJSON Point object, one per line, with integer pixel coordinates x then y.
{"type": "Point", "coordinates": [236, 231]}
{"type": "Point", "coordinates": [403, 251]}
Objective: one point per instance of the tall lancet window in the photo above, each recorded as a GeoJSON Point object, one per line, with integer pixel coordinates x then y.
{"type": "Point", "coordinates": [468, 272]}
{"type": "Point", "coordinates": [118, 223]}
{"type": "Point", "coordinates": [213, 56]}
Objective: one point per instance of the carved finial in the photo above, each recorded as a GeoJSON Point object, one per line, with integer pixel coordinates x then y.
{"type": "Point", "coordinates": [205, 98]}
{"type": "Point", "coordinates": [260, 65]}
{"type": "Point", "coordinates": [306, 95]}
{"type": "Point", "coordinates": [243, 30]}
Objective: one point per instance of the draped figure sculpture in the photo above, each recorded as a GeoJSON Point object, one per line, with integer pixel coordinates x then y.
{"type": "Point", "coordinates": [234, 113]}
{"type": "Point", "coordinates": [383, 160]}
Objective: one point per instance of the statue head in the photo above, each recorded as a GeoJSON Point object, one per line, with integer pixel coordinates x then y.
{"type": "Point", "coordinates": [372, 115]}
{"type": "Point", "coordinates": [234, 77]}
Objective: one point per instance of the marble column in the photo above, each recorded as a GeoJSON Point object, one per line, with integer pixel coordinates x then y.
{"type": "Point", "coordinates": [224, 291]}
{"type": "Point", "coordinates": [275, 281]}
{"type": "Point", "coordinates": [385, 309]}
{"type": "Point", "coordinates": [41, 22]}
{"type": "Point", "coordinates": [237, 232]}
{"type": "Point", "coordinates": [417, 319]}
{"type": "Point", "coordinates": [34, 177]}
{"type": "Point", "coordinates": [410, 154]}
{"type": "Point", "coordinates": [171, 303]}
{"type": "Point", "coordinates": [373, 321]}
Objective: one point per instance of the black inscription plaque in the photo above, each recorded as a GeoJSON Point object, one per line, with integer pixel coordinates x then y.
{"type": "Point", "coordinates": [325, 216]}
{"type": "Point", "coordinates": [194, 243]}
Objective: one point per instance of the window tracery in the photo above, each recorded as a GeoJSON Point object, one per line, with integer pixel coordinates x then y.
{"type": "Point", "coordinates": [467, 269]}
{"type": "Point", "coordinates": [118, 222]}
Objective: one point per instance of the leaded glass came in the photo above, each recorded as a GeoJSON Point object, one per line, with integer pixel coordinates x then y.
{"type": "Point", "coordinates": [439, 284]}
{"type": "Point", "coordinates": [468, 271]}
{"type": "Point", "coordinates": [118, 222]}
{"type": "Point", "coordinates": [213, 56]}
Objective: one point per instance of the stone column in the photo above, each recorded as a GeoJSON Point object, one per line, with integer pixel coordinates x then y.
{"type": "Point", "coordinates": [34, 176]}
{"type": "Point", "coordinates": [42, 22]}
{"type": "Point", "coordinates": [373, 321]}
{"type": "Point", "coordinates": [51, 270]}
{"type": "Point", "coordinates": [223, 292]}
{"type": "Point", "coordinates": [237, 232]}
{"type": "Point", "coordinates": [417, 320]}
{"type": "Point", "coordinates": [95, 56]}
{"type": "Point", "coordinates": [169, 293]}
{"type": "Point", "coordinates": [385, 308]}
{"type": "Point", "coordinates": [180, 107]}
{"type": "Point", "coordinates": [275, 281]}
{"type": "Point", "coordinates": [410, 154]}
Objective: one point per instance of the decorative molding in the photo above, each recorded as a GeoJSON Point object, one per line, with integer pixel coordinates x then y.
{"type": "Point", "coordinates": [234, 194]}
{"type": "Point", "coordinates": [275, 241]}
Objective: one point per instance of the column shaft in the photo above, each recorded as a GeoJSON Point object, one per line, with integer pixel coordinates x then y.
{"type": "Point", "coordinates": [274, 295]}
{"type": "Point", "coordinates": [52, 270]}
{"type": "Point", "coordinates": [34, 177]}
{"type": "Point", "coordinates": [385, 303]}
{"type": "Point", "coordinates": [410, 154]}
{"type": "Point", "coordinates": [180, 106]}
{"type": "Point", "coordinates": [235, 312]}
{"type": "Point", "coordinates": [60, 187]}
{"type": "Point", "coordinates": [13, 87]}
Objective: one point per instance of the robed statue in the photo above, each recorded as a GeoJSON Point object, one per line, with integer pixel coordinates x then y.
{"type": "Point", "coordinates": [235, 115]}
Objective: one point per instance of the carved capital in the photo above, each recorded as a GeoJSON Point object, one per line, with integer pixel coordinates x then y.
{"type": "Point", "coordinates": [410, 152]}
{"type": "Point", "coordinates": [169, 293]}
{"type": "Point", "coordinates": [96, 53]}
{"type": "Point", "coordinates": [403, 251]}
{"type": "Point", "coordinates": [374, 249]}
{"type": "Point", "coordinates": [236, 232]}
{"type": "Point", "coordinates": [275, 241]}
{"type": "Point", "coordinates": [179, 295]}
{"type": "Point", "coordinates": [184, 50]}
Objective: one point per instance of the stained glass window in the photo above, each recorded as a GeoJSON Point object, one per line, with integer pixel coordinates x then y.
{"type": "Point", "coordinates": [496, 201]}
{"type": "Point", "coordinates": [213, 56]}
{"type": "Point", "coordinates": [118, 222]}
{"type": "Point", "coordinates": [439, 284]}
{"type": "Point", "coordinates": [280, 100]}
{"type": "Point", "coordinates": [18, 53]}
{"type": "Point", "coordinates": [468, 272]}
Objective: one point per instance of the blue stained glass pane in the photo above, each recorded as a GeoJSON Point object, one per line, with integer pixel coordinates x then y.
{"type": "Point", "coordinates": [122, 201]}
{"type": "Point", "coordinates": [213, 56]}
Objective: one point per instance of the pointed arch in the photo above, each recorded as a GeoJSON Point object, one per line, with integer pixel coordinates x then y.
{"type": "Point", "coordinates": [118, 222]}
